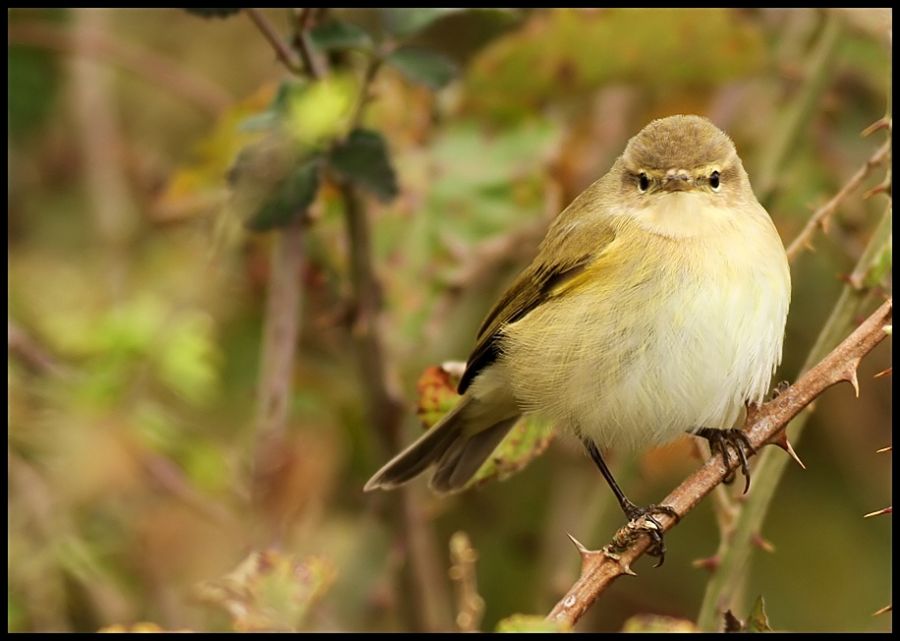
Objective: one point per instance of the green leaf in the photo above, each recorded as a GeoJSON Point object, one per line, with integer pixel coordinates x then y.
{"type": "Point", "coordinates": [213, 13]}
{"type": "Point", "coordinates": [291, 198]}
{"type": "Point", "coordinates": [429, 68]}
{"type": "Point", "coordinates": [527, 440]}
{"type": "Point", "coordinates": [758, 620]}
{"type": "Point", "coordinates": [406, 22]}
{"type": "Point", "coordinates": [530, 623]}
{"type": "Point", "coordinates": [337, 34]}
{"type": "Point", "coordinates": [363, 159]}
{"type": "Point", "coordinates": [321, 111]}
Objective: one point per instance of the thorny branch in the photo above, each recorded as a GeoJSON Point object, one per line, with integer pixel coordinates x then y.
{"type": "Point", "coordinates": [821, 216]}
{"type": "Point", "coordinates": [763, 426]}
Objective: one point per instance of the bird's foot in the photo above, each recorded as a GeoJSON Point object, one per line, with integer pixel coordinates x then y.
{"type": "Point", "coordinates": [642, 520]}
{"type": "Point", "coordinates": [720, 441]}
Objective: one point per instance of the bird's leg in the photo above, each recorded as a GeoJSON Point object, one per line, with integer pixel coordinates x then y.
{"type": "Point", "coordinates": [632, 511]}
{"type": "Point", "coordinates": [720, 441]}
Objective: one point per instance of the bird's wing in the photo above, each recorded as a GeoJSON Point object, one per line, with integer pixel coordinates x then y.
{"type": "Point", "coordinates": [541, 281]}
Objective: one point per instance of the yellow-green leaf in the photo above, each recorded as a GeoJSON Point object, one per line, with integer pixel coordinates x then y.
{"type": "Point", "coordinates": [530, 623]}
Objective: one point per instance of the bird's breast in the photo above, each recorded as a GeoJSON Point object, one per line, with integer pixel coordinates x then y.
{"type": "Point", "coordinates": [661, 337]}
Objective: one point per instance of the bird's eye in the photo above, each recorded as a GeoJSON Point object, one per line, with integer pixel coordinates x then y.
{"type": "Point", "coordinates": [714, 180]}
{"type": "Point", "coordinates": [643, 182]}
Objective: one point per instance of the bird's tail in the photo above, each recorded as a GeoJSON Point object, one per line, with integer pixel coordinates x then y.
{"type": "Point", "coordinates": [458, 444]}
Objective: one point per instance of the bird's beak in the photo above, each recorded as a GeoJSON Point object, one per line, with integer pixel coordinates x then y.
{"type": "Point", "coordinates": [678, 182]}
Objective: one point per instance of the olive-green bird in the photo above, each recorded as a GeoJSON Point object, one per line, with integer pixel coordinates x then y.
{"type": "Point", "coordinates": [656, 306]}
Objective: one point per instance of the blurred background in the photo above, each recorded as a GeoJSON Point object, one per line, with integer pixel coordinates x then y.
{"type": "Point", "coordinates": [144, 484]}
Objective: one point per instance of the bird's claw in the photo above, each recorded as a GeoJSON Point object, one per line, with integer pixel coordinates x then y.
{"type": "Point", "coordinates": [642, 519]}
{"type": "Point", "coordinates": [720, 441]}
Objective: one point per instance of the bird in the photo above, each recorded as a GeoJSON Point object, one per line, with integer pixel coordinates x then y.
{"type": "Point", "coordinates": [655, 306]}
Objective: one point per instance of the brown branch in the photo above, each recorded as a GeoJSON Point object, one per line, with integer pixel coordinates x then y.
{"type": "Point", "coordinates": [763, 426]}
{"type": "Point", "coordinates": [386, 409]}
{"type": "Point", "coordinates": [821, 216]}
{"type": "Point", "coordinates": [301, 43]}
{"type": "Point", "coordinates": [282, 322]}
{"type": "Point", "coordinates": [145, 63]}
{"type": "Point", "coordinates": [283, 52]}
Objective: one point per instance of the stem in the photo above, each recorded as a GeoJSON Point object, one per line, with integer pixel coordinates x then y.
{"type": "Point", "coordinates": [301, 43]}
{"type": "Point", "coordinates": [799, 114]}
{"type": "Point", "coordinates": [280, 330]}
{"type": "Point", "coordinates": [386, 411]}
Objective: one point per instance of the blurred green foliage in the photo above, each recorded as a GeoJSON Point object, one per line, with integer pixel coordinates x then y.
{"type": "Point", "coordinates": [130, 453]}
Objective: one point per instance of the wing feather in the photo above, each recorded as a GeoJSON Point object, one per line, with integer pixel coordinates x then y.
{"type": "Point", "coordinates": [540, 281]}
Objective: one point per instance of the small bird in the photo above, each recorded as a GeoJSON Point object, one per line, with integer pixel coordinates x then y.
{"type": "Point", "coordinates": [655, 306]}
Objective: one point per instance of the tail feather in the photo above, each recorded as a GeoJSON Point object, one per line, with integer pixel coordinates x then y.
{"type": "Point", "coordinates": [456, 468]}
{"type": "Point", "coordinates": [451, 444]}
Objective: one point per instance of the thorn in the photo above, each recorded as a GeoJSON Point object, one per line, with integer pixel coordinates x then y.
{"type": "Point", "coordinates": [883, 450]}
{"type": "Point", "coordinates": [854, 381]}
{"type": "Point", "coordinates": [888, 510]}
{"type": "Point", "coordinates": [762, 543]}
{"type": "Point", "coordinates": [884, 372]}
{"type": "Point", "coordinates": [710, 563]}
{"type": "Point", "coordinates": [882, 123]}
{"type": "Point", "coordinates": [587, 555]}
{"type": "Point", "coordinates": [880, 188]}
{"type": "Point", "coordinates": [583, 551]}
{"type": "Point", "coordinates": [781, 440]}
{"type": "Point", "coordinates": [883, 610]}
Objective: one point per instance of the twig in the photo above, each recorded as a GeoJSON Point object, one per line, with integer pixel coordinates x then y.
{"type": "Point", "coordinates": [385, 406]}
{"type": "Point", "coordinates": [148, 64]}
{"type": "Point", "coordinates": [301, 43]}
{"type": "Point", "coordinates": [282, 51]}
{"type": "Point", "coordinates": [600, 568]}
{"type": "Point", "coordinates": [384, 400]}
{"type": "Point", "coordinates": [821, 216]}
{"type": "Point", "coordinates": [283, 302]}
{"type": "Point", "coordinates": [462, 572]}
